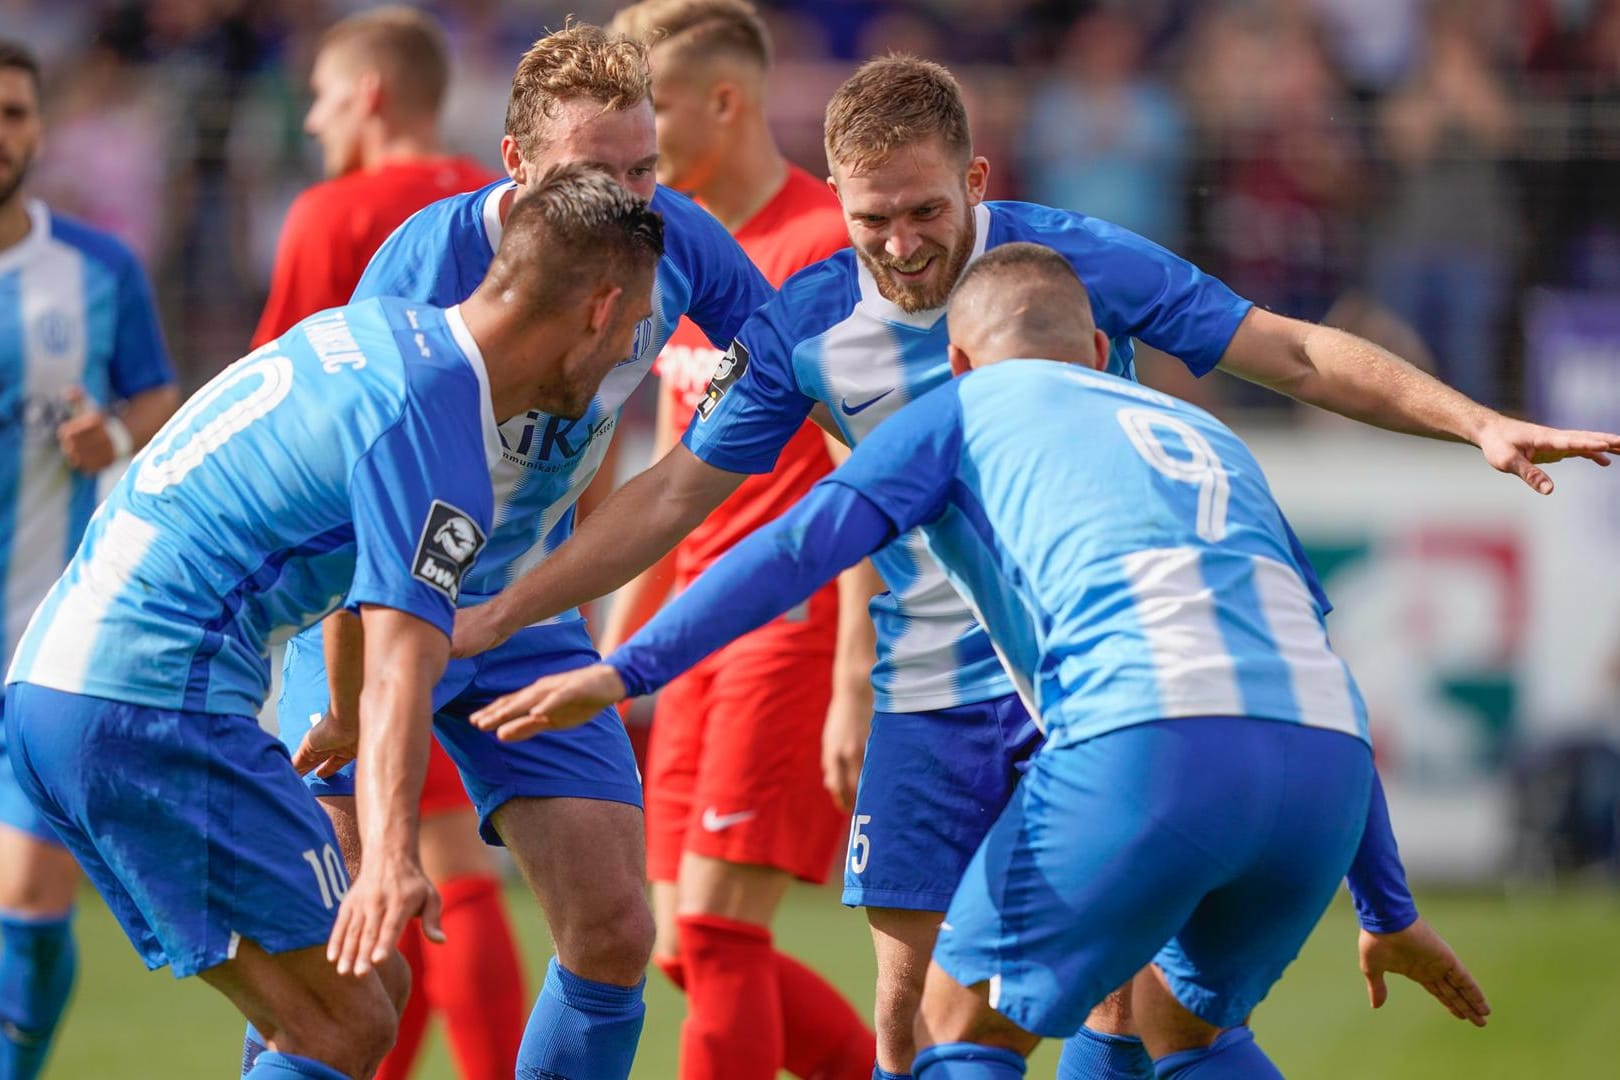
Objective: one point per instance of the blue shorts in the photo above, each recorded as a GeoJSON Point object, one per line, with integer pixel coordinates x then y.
{"type": "Point", "coordinates": [193, 826]}
{"type": "Point", "coordinates": [594, 761]}
{"type": "Point", "coordinates": [1209, 846]}
{"type": "Point", "coordinates": [933, 784]}
{"type": "Point", "coordinates": [15, 809]}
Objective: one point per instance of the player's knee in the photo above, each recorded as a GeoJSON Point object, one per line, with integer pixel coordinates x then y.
{"type": "Point", "coordinates": [395, 973]}
{"type": "Point", "coordinates": [607, 942]}
{"type": "Point", "coordinates": [351, 1035]}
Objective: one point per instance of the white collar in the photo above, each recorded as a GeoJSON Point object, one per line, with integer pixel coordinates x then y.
{"type": "Point", "coordinates": [493, 227]}
{"type": "Point", "coordinates": [475, 360]}
{"type": "Point", "coordinates": [887, 310]}
{"type": "Point", "coordinates": [39, 234]}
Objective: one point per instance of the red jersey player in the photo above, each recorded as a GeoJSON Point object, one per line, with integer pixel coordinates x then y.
{"type": "Point", "coordinates": [735, 803]}
{"type": "Point", "coordinates": [378, 80]}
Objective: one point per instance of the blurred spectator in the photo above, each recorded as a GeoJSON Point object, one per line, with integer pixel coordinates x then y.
{"type": "Point", "coordinates": [1448, 227]}
{"type": "Point", "coordinates": [1104, 138]}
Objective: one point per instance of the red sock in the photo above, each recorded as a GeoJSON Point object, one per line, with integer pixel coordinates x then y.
{"type": "Point", "coordinates": [397, 1065]}
{"type": "Point", "coordinates": [672, 967]}
{"type": "Point", "coordinates": [475, 980]}
{"type": "Point", "coordinates": [825, 1038]}
{"type": "Point", "coordinates": [733, 1028]}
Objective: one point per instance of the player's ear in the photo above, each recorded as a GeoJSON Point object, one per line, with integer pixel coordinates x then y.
{"type": "Point", "coordinates": [977, 179]}
{"type": "Point", "coordinates": [1101, 349]}
{"type": "Point", "coordinates": [960, 364]}
{"type": "Point", "coordinates": [604, 301]}
{"type": "Point", "coordinates": [512, 160]}
{"type": "Point", "coordinates": [724, 101]}
{"type": "Point", "coordinates": [373, 94]}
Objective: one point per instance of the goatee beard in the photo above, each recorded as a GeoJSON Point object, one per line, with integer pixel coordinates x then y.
{"type": "Point", "coordinates": [912, 300]}
{"type": "Point", "coordinates": [9, 189]}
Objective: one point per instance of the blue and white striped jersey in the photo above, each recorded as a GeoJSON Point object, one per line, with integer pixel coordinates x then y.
{"type": "Point", "coordinates": [1121, 547]}
{"type": "Point", "coordinates": [75, 311]}
{"type": "Point", "coordinates": [830, 337]}
{"type": "Point", "coordinates": [345, 462]}
{"type": "Point", "coordinates": [442, 252]}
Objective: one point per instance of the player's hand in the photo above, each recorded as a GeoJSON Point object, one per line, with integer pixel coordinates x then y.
{"type": "Point", "coordinates": [843, 746]}
{"type": "Point", "coordinates": [1517, 447]}
{"type": "Point", "coordinates": [478, 629]}
{"type": "Point", "coordinates": [553, 703]}
{"type": "Point", "coordinates": [388, 894]}
{"type": "Point", "coordinates": [83, 437]}
{"type": "Point", "coordinates": [327, 746]}
{"type": "Point", "coordinates": [1423, 956]}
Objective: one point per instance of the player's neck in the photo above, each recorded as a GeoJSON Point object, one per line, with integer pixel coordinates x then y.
{"type": "Point", "coordinates": [751, 177]}
{"type": "Point", "coordinates": [406, 144]}
{"type": "Point", "coordinates": [14, 223]}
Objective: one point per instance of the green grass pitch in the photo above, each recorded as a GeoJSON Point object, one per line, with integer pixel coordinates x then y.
{"type": "Point", "coordinates": [1550, 964]}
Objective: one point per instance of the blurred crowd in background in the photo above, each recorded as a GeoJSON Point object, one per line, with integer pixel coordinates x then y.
{"type": "Point", "coordinates": [1407, 168]}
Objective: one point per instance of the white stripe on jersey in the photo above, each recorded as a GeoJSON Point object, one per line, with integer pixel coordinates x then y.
{"type": "Point", "coordinates": [69, 641]}
{"type": "Point", "coordinates": [51, 295]}
{"type": "Point", "coordinates": [1320, 679]}
{"type": "Point", "coordinates": [1175, 609]}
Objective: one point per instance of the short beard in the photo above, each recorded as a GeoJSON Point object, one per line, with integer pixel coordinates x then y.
{"type": "Point", "coordinates": [8, 191]}
{"type": "Point", "coordinates": [912, 300]}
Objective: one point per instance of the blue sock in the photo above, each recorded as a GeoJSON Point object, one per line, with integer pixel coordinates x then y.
{"type": "Point", "coordinates": [1234, 1055]}
{"type": "Point", "coordinates": [37, 964]}
{"type": "Point", "coordinates": [277, 1066]}
{"type": "Point", "coordinates": [1096, 1055]}
{"type": "Point", "coordinates": [581, 1030]}
{"type": "Point", "coordinates": [880, 1073]}
{"type": "Point", "coordinates": [967, 1061]}
{"type": "Point", "coordinates": [252, 1046]}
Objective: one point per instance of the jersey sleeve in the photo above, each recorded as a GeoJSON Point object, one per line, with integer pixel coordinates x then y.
{"type": "Point", "coordinates": [907, 466]}
{"type": "Point", "coordinates": [1148, 292]}
{"type": "Point", "coordinates": [140, 359]}
{"type": "Point", "coordinates": [314, 268]}
{"type": "Point", "coordinates": [773, 569]}
{"type": "Point", "coordinates": [753, 406]}
{"type": "Point", "coordinates": [726, 286]}
{"type": "Point", "coordinates": [422, 506]}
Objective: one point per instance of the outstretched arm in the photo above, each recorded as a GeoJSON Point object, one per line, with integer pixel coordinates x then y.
{"type": "Point", "coordinates": [777, 567]}
{"type": "Point", "coordinates": [1345, 374]}
{"type": "Point", "coordinates": [626, 534]}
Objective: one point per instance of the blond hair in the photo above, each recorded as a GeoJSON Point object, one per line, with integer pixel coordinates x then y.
{"type": "Point", "coordinates": [698, 29]}
{"type": "Point", "coordinates": [578, 61]}
{"type": "Point", "coordinates": [891, 102]}
{"type": "Point", "coordinates": [405, 46]}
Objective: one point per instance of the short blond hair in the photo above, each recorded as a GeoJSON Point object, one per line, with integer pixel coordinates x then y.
{"type": "Point", "coordinates": [578, 61]}
{"type": "Point", "coordinates": [406, 46]}
{"type": "Point", "coordinates": [698, 29]}
{"type": "Point", "coordinates": [891, 102]}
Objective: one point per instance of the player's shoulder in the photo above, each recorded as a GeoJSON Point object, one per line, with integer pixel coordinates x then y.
{"type": "Point", "coordinates": [447, 221]}
{"type": "Point", "coordinates": [817, 298]}
{"type": "Point", "coordinates": [692, 235]}
{"type": "Point", "coordinates": [97, 245]}
{"type": "Point", "coordinates": [1067, 230]}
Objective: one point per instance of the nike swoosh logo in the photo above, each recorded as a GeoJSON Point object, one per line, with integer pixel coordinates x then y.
{"type": "Point", "coordinates": [851, 410]}
{"type": "Point", "coordinates": [713, 822]}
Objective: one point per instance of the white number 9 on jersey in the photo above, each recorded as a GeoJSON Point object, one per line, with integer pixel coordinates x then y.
{"type": "Point", "coordinates": [1203, 468]}
{"type": "Point", "coordinates": [163, 464]}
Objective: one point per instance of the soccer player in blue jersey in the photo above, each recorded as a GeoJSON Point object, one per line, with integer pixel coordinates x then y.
{"type": "Point", "coordinates": [862, 333]}
{"type": "Point", "coordinates": [346, 462]}
{"type": "Point", "coordinates": [86, 380]}
{"type": "Point", "coordinates": [1206, 776]}
{"type": "Point", "coordinates": [568, 809]}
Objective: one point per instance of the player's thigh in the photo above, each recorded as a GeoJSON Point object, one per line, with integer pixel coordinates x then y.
{"type": "Point", "coordinates": [902, 941]}
{"type": "Point", "coordinates": [732, 890]}
{"type": "Point", "coordinates": [576, 854]}
{"type": "Point", "coordinates": [451, 847]}
{"type": "Point", "coordinates": [932, 785]}
{"type": "Point", "coordinates": [193, 826]}
{"type": "Point", "coordinates": [674, 750]}
{"type": "Point", "coordinates": [1242, 935]}
{"type": "Point", "coordinates": [759, 800]}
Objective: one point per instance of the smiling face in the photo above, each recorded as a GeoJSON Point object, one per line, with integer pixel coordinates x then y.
{"type": "Point", "coordinates": [21, 129]}
{"type": "Point", "coordinates": [621, 142]}
{"type": "Point", "coordinates": [910, 219]}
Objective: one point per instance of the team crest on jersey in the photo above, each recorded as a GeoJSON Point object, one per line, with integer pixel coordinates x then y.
{"type": "Point", "coordinates": [449, 543]}
{"type": "Point", "coordinates": [55, 332]}
{"type": "Point", "coordinates": [730, 369]}
{"type": "Point", "coordinates": [644, 336]}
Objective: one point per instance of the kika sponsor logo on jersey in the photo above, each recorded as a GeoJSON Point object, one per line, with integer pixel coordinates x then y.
{"type": "Point", "coordinates": [543, 438]}
{"type": "Point", "coordinates": [732, 367]}
{"type": "Point", "coordinates": [449, 543]}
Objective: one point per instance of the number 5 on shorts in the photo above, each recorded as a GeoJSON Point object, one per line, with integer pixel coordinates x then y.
{"type": "Point", "coordinates": [860, 845]}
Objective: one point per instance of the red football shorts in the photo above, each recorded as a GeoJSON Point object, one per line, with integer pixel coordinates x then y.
{"type": "Point", "coordinates": [442, 790]}
{"type": "Point", "coordinates": [734, 760]}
